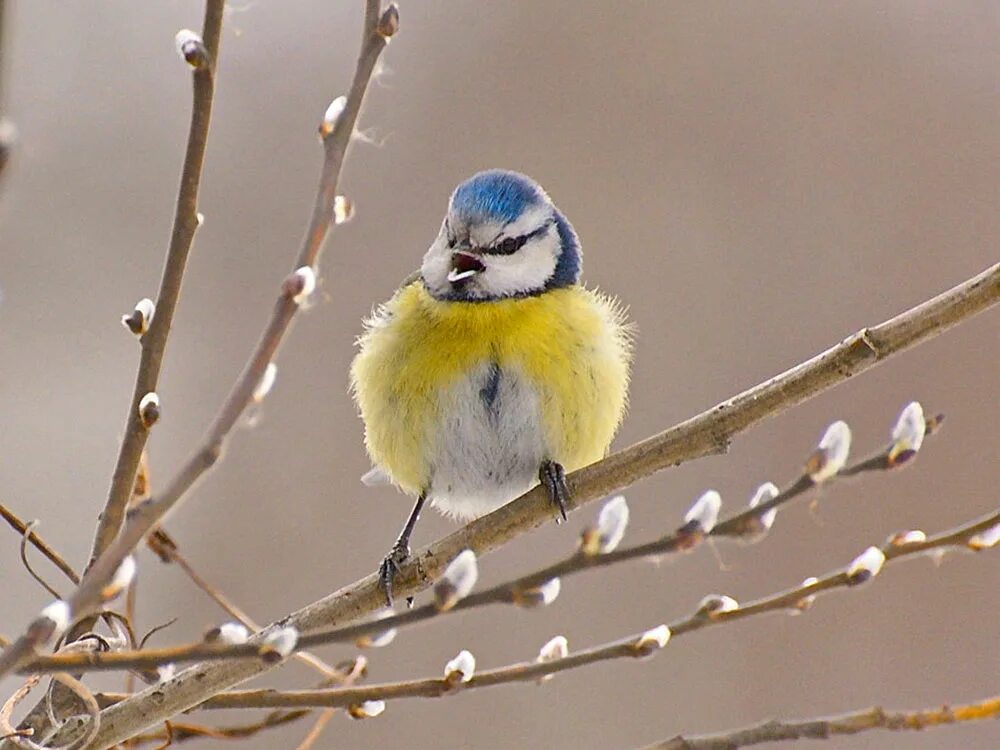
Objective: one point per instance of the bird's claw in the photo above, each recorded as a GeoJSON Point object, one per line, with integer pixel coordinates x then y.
{"type": "Point", "coordinates": [553, 476]}
{"type": "Point", "coordinates": [390, 567]}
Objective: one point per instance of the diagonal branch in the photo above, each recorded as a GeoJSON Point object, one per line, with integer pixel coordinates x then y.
{"type": "Point", "coordinates": [707, 433]}
{"type": "Point", "coordinates": [824, 728]}
{"type": "Point", "coordinates": [516, 590]}
{"type": "Point", "coordinates": [790, 599]}
{"type": "Point", "coordinates": [634, 646]}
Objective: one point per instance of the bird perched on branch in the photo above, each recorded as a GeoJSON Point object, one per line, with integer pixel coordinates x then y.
{"type": "Point", "coordinates": [493, 369]}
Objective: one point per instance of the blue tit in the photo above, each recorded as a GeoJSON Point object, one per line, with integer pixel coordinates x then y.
{"type": "Point", "coordinates": [493, 369]}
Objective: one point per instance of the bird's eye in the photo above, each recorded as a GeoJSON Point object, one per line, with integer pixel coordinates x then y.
{"type": "Point", "coordinates": [510, 245]}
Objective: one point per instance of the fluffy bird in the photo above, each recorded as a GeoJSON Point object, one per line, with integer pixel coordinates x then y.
{"type": "Point", "coordinates": [493, 368]}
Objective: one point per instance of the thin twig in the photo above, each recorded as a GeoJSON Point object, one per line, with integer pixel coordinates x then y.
{"type": "Point", "coordinates": [831, 726]}
{"type": "Point", "coordinates": [22, 528]}
{"type": "Point", "coordinates": [154, 341]}
{"type": "Point", "coordinates": [181, 731]}
{"type": "Point", "coordinates": [634, 646]}
{"type": "Point", "coordinates": [166, 548]}
{"type": "Point", "coordinates": [110, 661]}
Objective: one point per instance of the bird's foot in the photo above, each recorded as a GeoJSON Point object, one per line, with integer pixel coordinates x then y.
{"type": "Point", "coordinates": [390, 567]}
{"type": "Point", "coordinates": [553, 477]}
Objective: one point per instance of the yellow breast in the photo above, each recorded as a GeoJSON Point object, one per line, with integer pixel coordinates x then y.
{"type": "Point", "coordinates": [571, 344]}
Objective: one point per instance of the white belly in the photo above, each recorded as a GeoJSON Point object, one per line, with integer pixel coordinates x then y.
{"type": "Point", "coordinates": [490, 444]}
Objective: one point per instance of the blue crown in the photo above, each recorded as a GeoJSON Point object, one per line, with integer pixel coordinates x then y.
{"type": "Point", "coordinates": [496, 195]}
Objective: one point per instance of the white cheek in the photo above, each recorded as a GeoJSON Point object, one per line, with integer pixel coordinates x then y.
{"type": "Point", "coordinates": [527, 270]}
{"type": "Point", "coordinates": [436, 265]}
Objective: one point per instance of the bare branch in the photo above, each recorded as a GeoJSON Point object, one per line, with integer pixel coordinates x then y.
{"type": "Point", "coordinates": [83, 728]}
{"type": "Point", "coordinates": [166, 548]}
{"type": "Point", "coordinates": [22, 528]}
{"type": "Point", "coordinates": [701, 435]}
{"type": "Point", "coordinates": [154, 341]}
{"type": "Point", "coordinates": [832, 726]}
{"type": "Point", "coordinates": [893, 549]}
{"type": "Point", "coordinates": [634, 646]}
{"type": "Point", "coordinates": [146, 515]}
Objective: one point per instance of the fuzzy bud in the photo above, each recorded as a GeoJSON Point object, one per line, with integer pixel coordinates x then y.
{"type": "Point", "coordinates": [714, 605]}
{"type": "Point", "coordinates": [380, 638]}
{"type": "Point", "coordinates": [759, 525]}
{"type": "Point", "coordinates": [332, 115]}
{"type": "Point", "coordinates": [166, 672]}
{"type": "Point", "coordinates": [460, 669]}
{"type": "Point", "coordinates": [705, 511]}
{"type": "Point", "coordinates": [388, 24]}
{"type": "Point", "coordinates": [652, 640]}
{"type": "Point", "coordinates": [266, 383]}
{"type": "Point", "coordinates": [865, 566]}
{"type": "Point", "coordinates": [554, 649]}
{"type": "Point", "coordinates": [149, 409]}
{"type": "Point", "coordinates": [51, 623]}
{"type": "Point", "coordinates": [229, 633]}
{"type": "Point", "coordinates": [806, 601]}
{"type": "Point", "coordinates": [366, 710]}
{"type": "Point", "coordinates": [459, 579]}
{"type": "Point", "coordinates": [611, 524]}
{"type": "Point", "coordinates": [902, 538]}
{"type": "Point", "coordinates": [343, 209]}
{"type": "Point", "coordinates": [300, 284]}
{"type": "Point", "coordinates": [121, 580]}
{"type": "Point", "coordinates": [831, 455]}
{"type": "Point", "coordinates": [985, 539]}
{"type": "Point", "coordinates": [139, 319]}
{"type": "Point", "coordinates": [907, 434]}
{"type": "Point", "coordinates": [191, 48]}
{"type": "Point", "coordinates": [539, 596]}
{"type": "Point", "coordinates": [279, 645]}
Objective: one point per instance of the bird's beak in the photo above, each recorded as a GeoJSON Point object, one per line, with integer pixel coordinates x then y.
{"type": "Point", "coordinates": [464, 266]}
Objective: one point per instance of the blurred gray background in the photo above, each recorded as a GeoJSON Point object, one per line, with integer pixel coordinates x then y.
{"type": "Point", "coordinates": [756, 180]}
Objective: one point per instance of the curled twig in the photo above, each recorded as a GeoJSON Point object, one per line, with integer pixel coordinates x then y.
{"type": "Point", "coordinates": [27, 565]}
{"type": "Point", "coordinates": [89, 725]}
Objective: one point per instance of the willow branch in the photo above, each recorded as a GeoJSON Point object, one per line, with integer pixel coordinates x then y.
{"type": "Point", "coordinates": [154, 341]}
{"type": "Point", "coordinates": [785, 600]}
{"type": "Point", "coordinates": [825, 728]}
{"type": "Point", "coordinates": [22, 528]}
{"type": "Point", "coordinates": [634, 646]}
{"type": "Point", "coordinates": [707, 433]}
{"type": "Point", "coordinates": [512, 591]}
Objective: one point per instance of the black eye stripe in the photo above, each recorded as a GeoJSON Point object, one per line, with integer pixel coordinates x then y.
{"type": "Point", "coordinates": [510, 245]}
